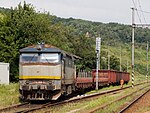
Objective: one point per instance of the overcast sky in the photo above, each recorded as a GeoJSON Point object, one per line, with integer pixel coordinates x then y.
{"type": "Point", "coordinates": [94, 10]}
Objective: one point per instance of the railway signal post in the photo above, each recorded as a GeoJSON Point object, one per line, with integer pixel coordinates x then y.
{"type": "Point", "coordinates": [98, 45]}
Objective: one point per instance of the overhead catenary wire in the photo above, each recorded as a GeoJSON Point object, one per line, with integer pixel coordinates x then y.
{"type": "Point", "coordinates": [135, 7]}
{"type": "Point", "coordinates": [141, 12]}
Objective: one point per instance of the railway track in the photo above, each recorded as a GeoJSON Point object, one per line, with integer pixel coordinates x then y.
{"type": "Point", "coordinates": [133, 102]}
{"type": "Point", "coordinates": [96, 95]}
{"type": "Point", "coordinates": [27, 107]}
{"type": "Point", "coordinates": [114, 101]}
{"type": "Point", "coordinates": [23, 108]}
{"type": "Point", "coordinates": [13, 107]}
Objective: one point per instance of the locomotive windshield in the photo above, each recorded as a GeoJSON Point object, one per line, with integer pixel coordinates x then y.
{"type": "Point", "coordinates": [42, 57]}
{"type": "Point", "coordinates": [49, 57]}
{"type": "Point", "coordinates": [28, 57]}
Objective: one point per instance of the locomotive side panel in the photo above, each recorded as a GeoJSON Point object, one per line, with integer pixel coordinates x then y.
{"type": "Point", "coordinates": [69, 76]}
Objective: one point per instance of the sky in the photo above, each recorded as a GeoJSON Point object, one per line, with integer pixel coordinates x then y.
{"type": "Point", "coordinates": [105, 11]}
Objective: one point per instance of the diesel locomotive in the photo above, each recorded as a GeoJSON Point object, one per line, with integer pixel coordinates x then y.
{"type": "Point", "coordinates": [46, 72]}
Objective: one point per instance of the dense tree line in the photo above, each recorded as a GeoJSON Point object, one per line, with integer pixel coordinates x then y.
{"type": "Point", "coordinates": [110, 32]}
{"type": "Point", "coordinates": [23, 26]}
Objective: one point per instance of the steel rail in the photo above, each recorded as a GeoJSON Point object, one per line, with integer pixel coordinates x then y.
{"type": "Point", "coordinates": [133, 102]}
{"type": "Point", "coordinates": [13, 106]}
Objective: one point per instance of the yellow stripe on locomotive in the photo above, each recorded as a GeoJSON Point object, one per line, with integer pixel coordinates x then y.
{"type": "Point", "coordinates": [40, 77]}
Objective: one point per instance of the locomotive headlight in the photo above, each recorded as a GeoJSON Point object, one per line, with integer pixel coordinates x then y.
{"type": "Point", "coordinates": [22, 82]}
{"type": "Point", "coordinates": [27, 81]}
{"type": "Point", "coordinates": [50, 82]}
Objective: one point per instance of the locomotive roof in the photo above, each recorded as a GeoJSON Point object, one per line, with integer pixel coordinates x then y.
{"type": "Point", "coordinates": [46, 49]}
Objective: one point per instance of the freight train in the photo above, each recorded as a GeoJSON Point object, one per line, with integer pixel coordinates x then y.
{"type": "Point", "coordinates": [47, 72]}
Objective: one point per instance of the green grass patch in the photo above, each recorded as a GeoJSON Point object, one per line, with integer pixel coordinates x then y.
{"type": "Point", "coordinates": [9, 94]}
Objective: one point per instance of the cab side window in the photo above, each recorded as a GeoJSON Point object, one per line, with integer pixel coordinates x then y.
{"type": "Point", "coordinates": [69, 62]}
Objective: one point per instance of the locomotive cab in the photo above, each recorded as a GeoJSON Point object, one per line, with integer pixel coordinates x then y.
{"type": "Point", "coordinates": [40, 72]}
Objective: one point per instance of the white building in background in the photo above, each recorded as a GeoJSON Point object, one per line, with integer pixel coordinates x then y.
{"type": "Point", "coordinates": [4, 73]}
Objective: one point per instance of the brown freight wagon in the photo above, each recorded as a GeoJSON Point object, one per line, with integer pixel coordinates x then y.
{"type": "Point", "coordinates": [103, 77]}
{"type": "Point", "coordinates": [84, 80]}
{"type": "Point", "coordinates": [107, 77]}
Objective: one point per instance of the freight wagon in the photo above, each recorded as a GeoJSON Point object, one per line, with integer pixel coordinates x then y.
{"type": "Point", "coordinates": [108, 77]}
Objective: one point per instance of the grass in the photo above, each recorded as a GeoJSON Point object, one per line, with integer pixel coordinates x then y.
{"type": "Point", "coordinates": [9, 94]}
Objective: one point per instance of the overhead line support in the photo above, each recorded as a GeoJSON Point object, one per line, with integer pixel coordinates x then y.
{"type": "Point", "coordinates": [133, 30]}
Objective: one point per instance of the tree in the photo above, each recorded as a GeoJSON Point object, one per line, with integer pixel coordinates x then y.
{"type": "Point", "coordinates": [21, 27]}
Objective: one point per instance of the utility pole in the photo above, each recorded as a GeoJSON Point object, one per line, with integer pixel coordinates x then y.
{"type": "Point", "coordinates": [120, 58]}
{"type": "Point", "coordinates": [147, 61]}
{"type": "Point", "coordinates": [133, 29]}
{"type": "Point", "coordinates": [98, 46]}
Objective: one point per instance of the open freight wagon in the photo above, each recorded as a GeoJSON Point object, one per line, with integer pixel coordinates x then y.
{"type": "Point", "coordinates": [107, 77]}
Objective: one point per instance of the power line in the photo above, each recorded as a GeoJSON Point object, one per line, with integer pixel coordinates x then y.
{"type": "Point", "coordinates": [141, 12]}
{"type": "Point", "coordinates": [137, 12]}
